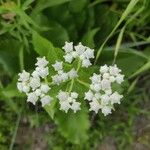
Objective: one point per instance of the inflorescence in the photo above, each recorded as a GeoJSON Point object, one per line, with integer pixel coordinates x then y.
{"type": "Point", "coordinates": [100, 96]}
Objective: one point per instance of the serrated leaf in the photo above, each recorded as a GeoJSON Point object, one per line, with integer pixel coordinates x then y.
{"type": "Point", "coordinates": [45, 48]}
{"type": "Point", "coordinates": [73, 126]}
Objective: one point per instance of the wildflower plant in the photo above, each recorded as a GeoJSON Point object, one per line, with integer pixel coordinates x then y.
{"type": "Point", "coordinates": [68, 84]}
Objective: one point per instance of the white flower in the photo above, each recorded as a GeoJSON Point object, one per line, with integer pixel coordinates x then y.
{"type": "Point", "coordinates": [106, 110]}
{"type": "Point", "coordinates": [95, 87]}
{"type": "Point", "coordinates": [32, 97]}
{"type": "Point", "coordinates": [57, 66]}
{"type": "Point", "coordinates": [82, 57]}
{"type": "Point", "coordinates": [94, 106]}
{"type": "Point", "coordinates": [62, 96]}
{"type": "Point", "coordinates": [106, 84]}
{"type": "Point", "coordinates": [95, 78]}
{"type": "Point", "coordinates": [26, 89]}
{"type": "Point", "coordinates": [38, 92]}
{"type": "Point", "coordinates": [20, 86]}
{"type": "Point", "coordinates": [35, 73]}
{"type": "Point", "coordinates": [68, 101]}
{"type": "Point", "coordinates": [89, 95]}
{"type": "Point", "coordinates": [74, 54]}
{"type": "Point", "coordinates": [106, 75]}
{"type": "Point", "coordinates": [35, 82]}
{"type": "Point", "coordinates": [45, 88]}
{"type": "Point", "coordinates": [41, 62]}
{"type": "Point", "coordinates": [119, 78]}
{"type": "Point", "coordinates": [72, 74]}
{"type": "Point", "coordinates": [86, 63]}
{"type": "Point", "coordinates": [112, 79]}
{"type": "Point", "coordinates": [108, 92]}
{"type": "Point", "coordinates": [105, 99]}
{"type": "Point", "coordinates": [100, 94]}
{"type": "Point", "coordinates": [74, 95]}
{"type": "Point", "coordinates": [68, 58]}
{"type": "Point", "coordinates": [75, 106]}
{"type": "Point", "coordinates": [104, 69]}
{"type": "Point", "coordinates": [68, 47]}
{"type": "Point", "coordinates": [42, 72]}
{"type": "Point", "coordinates": [114, 70]}
{"type": "Point", "coordinates": [56, 79]}
{"type": "Point", "coordinates": [115, 98]}
{"type": "Point", "coordinates": [89, 53]}
{"type": "Point", "coordinates": [24, 76]}
{"type": "Point", "coordinates": [79, 49]}
{"type": "Point", "coordinates": [65, 105]}
{"type": "Point", "coordinates": [64, 76]}
{"type": "Point", "coordinates": [97, 95]}
{"type": "Point", "coordinates": [46, 100]}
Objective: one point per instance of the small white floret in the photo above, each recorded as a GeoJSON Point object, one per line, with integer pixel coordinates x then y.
{"type": "Point", "coordinates": [32, 97]}
{"type": "Point", "coordinates": [45, 88]}
{"type": "Point", "coordinates": [94, 106]}
{"type": "Point", "coordinates": [68, 58]}
{"type": "Point", "coordinates": [41, 62]}
{"type": "Point", "coordinates": [79, 49]}
{"type": "Point", "coordinates": [75, 106]}
{"type": "Point", "coordinates": [72, 74]}
{"type": "Point", "coordinates": [104, 69]}
{"type": "Point", "coordinates": [24, 76]}
{"type": "Point", "coordinates": [35, 82]}
{"type": "Point", "coordinates": [106, 110]}
{"type": "Point", "coordinates": [86, 63]}
{"type": "Point", "coordinates": [68, 47]}
{"type": "Point", "coordinates": [46, 100]}
{"type": "Point", "coordinates": [58, 65]}
{"type": "Point", "coordinates": [89, 95]}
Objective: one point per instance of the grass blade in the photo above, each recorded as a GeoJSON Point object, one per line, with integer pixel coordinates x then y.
{"type": "Point", "coordinates": [127, 11]}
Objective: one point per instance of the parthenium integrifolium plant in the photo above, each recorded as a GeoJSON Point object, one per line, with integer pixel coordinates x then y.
{"type": "Point", "coordinates": [100, 95]}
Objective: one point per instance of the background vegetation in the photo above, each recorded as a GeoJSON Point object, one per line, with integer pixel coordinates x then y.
{"type": "Point", "coordinates": [118, 30]}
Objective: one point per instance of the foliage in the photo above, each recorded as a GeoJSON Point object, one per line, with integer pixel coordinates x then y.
{"type": "Point", "coordinates": [119, 33]}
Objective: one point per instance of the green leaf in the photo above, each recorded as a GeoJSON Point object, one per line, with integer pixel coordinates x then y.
{"type": "Point", "coordinates": [51, 109]}
{"type": "Point", "coordinates": [73, 126]}
{"type": "Point", "coordinates": [127, 11]}
{"type": "Point", "coordinates": [128, 61]}
{"type": "Point", "coordinates": [43, 4]}
{"type": "Point", "coordinates": [88, 38]}
{"type": "Point", "coordinates": [144, 68]}
{"type": "Point", "coordinates": [119, 40]}
{"type": "Point", "coordinates": [9, 56]}
{"type": "Point", "coordinates": [76, 6]}
{"type": "Point", "coordinates": [26, 4]}
{"type": "Point", "coordinates": [7, 94]}
{"type": "Point", "coordinates": [45, 48]}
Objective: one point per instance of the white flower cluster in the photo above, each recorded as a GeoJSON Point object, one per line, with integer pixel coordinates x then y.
{"type": "Point", "coordinates": [32, 84]}
{"type": "Point", "coordinates": [61, 75]}
{"type": "Point", "coordinates": [68, 101]}
{"type": "Point", "coordinates": [82, 52]}
{"type": "Point", "coordinates": [100, 94]}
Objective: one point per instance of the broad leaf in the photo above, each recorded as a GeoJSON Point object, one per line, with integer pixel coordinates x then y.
{"type": "Point", "coordinates": [73, 126]}
{"type": "Point", "coordinates": [45, 48]}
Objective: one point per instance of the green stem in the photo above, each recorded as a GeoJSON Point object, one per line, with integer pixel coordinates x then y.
{"type": "Point", "coordinates": [83, 83]}
{"type": "Point", "coordinates": [71, 85]}
{"type": "Point", "coordinates": [15, 132]}
{"type": "Point", "coordinates": [72, 81]}
{"type": "Point", "coordinates": [79, 65]}
{"type": "Point", "coordinates": [21, 58]}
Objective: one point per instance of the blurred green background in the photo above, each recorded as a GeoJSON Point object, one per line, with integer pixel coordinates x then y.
{"type": "Point", "coordinates": [118, 29]}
